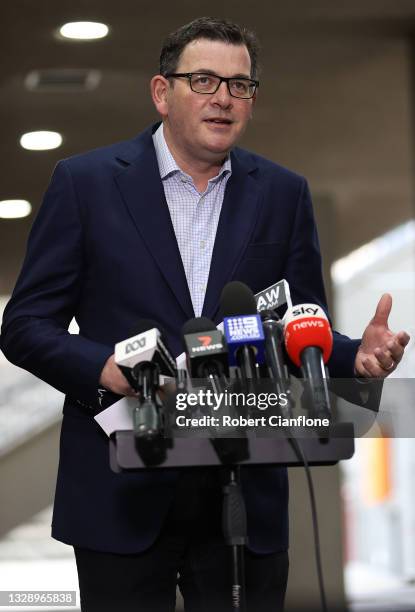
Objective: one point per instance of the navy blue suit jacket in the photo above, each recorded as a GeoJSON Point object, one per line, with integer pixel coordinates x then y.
{"type": "Point", "coordinates": [103, 249]}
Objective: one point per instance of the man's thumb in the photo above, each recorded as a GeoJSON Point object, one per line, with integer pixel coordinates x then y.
{"type": "Point", "coordinates": [383, 310]}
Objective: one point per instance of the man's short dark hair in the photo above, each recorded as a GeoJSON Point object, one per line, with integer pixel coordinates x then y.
{"type": "Point", "coordinates": [211, 29]}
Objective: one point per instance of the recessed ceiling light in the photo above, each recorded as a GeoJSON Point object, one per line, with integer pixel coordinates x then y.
{"type": "Point", "coordinates": [41, 140]}
{"type": "Point", "coordinates": [14, 209]}
{"type": "Point", "coordinates": [84, 30]}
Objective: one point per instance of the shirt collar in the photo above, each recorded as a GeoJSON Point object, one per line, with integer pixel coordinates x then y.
{"type": "Point", "coordinates": [167, 164]}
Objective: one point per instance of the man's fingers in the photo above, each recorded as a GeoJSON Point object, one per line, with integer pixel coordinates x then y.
{"type": "Point", "coordinates": [113, 379]}
{"type": "Point", "coordinates": [383, 310]}
{"type": "Point", "coordinates": [363, 366]}
{"type": "Point", "coordinates": [374, 369]}
{"type": "Point", "coordinates": [131, 393]}
{"type": "Point", "coordinates": [396, 350]}
{"type": "Point", "coordinates": [126, 390]}
{"type": "Point", "coordinates": [403, 338]}
{"type": "Point", "coordinates": [362, 371]}
{"type": "Point", "coordinates": [121, 388]}
{"type": "Point", "coordinates": [124, 387]}
{"type": "Point", "coordinates": [395, 347]}
{"type": "Point", "coordinates": [386, 359]}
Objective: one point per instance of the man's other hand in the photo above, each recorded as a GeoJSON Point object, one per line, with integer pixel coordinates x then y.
{"type": "Point", "coordinates": [113, 379]}
{"type": "Point", "coordinates": [381, 350]}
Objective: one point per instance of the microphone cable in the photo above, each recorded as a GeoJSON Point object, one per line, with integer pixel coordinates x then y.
{"type": "Point", "coordinates": [317, 549]}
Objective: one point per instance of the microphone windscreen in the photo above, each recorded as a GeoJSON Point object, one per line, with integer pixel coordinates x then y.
{"type": "Point", "coordinates": [237, 299]}
{"type": "Point", "coordinates": [269, 315]}
{"type": "Point", "coordinates": [197, 325]}
{"type": "Point", "coordinates": [307, 325]}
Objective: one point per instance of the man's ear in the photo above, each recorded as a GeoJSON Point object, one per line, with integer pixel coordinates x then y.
{"type": "Point", "coordinates": [159, 87]}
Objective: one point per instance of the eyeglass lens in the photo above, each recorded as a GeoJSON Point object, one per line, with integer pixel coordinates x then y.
{"type": "Point", "coordinates": [208, 83]}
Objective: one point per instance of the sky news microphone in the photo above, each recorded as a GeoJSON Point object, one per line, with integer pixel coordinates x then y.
{"type": "Point", "coordinates": [206, 350]}
{"type": "Point", "coordinates": [309, 342]}
{"type": "Point", "coordinates": [142, 358]}
{"type": "Point", "coordinates": [243, 329]}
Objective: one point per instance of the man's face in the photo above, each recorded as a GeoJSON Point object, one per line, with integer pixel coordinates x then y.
{"type": "Point", "coordinates": [189, 116]}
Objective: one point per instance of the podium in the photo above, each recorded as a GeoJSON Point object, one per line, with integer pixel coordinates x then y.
{"type": "Point", "coordinates": [184, 452]}
{"type": "Point", "coordinates": [129, 454]}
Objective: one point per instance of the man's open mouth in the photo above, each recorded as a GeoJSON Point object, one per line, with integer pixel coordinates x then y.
{"type": "Point", "coordinates": [220, 121]}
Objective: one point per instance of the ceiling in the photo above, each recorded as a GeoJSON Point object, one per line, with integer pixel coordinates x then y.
{"type": "Point", "coordinates": [291, 36]}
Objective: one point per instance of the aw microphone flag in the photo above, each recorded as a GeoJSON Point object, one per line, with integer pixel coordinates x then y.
{"type": "Point", "coordinates": [241, 330]}
{"type": "Point", "coordinates": [275, 297]}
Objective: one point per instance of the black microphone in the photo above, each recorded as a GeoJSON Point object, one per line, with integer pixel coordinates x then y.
{"type": "Point", "coordinates": [243, 329]}
{"type": "Point", "coordinates": [207, 357]}
{"type": "Point", "coordinates": [142, 358]}
{"type": "Point", "coordinates": [274, 340]}
{"type": "Point", "coordinates": [206, 350]}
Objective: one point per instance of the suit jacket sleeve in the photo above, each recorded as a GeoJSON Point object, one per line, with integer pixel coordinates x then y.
{"type": "Point", "coordinates": [303, 272]}
{"type": "Point", "coordinates": [36, 319]}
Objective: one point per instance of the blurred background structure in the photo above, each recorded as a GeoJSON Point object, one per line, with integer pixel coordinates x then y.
{"type": "Point", "coordinates": [336, 104]}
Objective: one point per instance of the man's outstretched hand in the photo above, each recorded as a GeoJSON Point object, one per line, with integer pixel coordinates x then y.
{"type": "Point", "coordinates": [381, 350]}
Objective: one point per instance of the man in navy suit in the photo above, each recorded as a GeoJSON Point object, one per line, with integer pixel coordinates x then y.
{"type": "Point", "coordinates": [154, 228]}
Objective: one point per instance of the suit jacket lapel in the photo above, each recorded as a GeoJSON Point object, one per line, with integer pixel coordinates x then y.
{"type": "Point", "coordinates": [142, 190]}
{"type": "Point", "coordinates": [236, 222]}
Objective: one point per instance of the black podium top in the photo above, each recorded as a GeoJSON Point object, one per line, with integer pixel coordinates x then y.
{"type": "Point", "coordinates": [193, 451]}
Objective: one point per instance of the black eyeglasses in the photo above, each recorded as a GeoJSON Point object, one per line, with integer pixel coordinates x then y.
{"type": "Point", "coordinates": [201, 83]}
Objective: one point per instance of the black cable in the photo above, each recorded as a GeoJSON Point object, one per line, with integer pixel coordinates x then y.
{"type": "Point", "coordinates": [302, 458]}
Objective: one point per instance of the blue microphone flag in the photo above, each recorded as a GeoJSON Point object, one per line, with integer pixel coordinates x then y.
{"type": "Point", "coordinates": [244, 329]}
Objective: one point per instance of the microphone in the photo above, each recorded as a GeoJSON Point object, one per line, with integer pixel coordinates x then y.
{"type": "Point", "coordinates": [274, 339]}
{"type": "Point", "coordinates": [142, 358]}
{"type": "Point", "coordinates": [309, 342]}
{"type": "Point", "coordinates": [243, 329]}
{"type": "Point", "coordinates": [207, 354]}
{"type": "Point", "coordinates": [145, 344]}
{"type": "Point", "coordinates": [207, 357]}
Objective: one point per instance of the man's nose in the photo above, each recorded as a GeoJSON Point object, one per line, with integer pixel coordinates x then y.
{"type": "Point", "coordinates": [222, 95]}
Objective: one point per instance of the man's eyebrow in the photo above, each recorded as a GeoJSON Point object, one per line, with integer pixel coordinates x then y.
{"type": "Point", "coordinates": [239, 75]}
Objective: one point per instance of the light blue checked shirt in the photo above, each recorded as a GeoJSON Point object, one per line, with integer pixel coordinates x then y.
{"type": "Point", "coordinates": [194, 215]}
